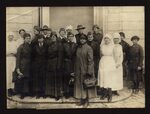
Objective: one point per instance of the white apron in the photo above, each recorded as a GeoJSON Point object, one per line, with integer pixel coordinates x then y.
{"type": "Point", "coordinates": [10, 61]}
{"type": "Point", "coordinates": [107, 68]}
{"type": "Point", "coordinates": [118, 56]}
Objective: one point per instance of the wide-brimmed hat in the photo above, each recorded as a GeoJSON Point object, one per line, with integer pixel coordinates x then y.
{"type": "Point", "coordinates": [135, 37]}
{"type": "Point", "coordinates": [95, 26]}
{"type": "Point", "coordinates": [80, 27]}
{"type": "Point", "coordinates": [45, 27]}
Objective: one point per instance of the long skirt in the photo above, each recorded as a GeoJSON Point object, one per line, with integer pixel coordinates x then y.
{"type": "Point", "coordinates": [53, 86]}
{"type": "Point", "coordinates": [81, 93]}
{"type": "Point", "coordinates": [38, 80]}
{"type": "Point", "coordinates": [22, 86]}
{"type": "Point", "coordinates": [118, 79]}
{"type": "Point", "coordinates": [11, 64]}
{"type": "Point", "coordinates": [107, 72]}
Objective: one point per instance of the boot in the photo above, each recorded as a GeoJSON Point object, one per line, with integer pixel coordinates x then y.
{"type": "Point", "coordinates": [86, 103]}
{"type": "Point", "coordinates": [80, 103]}
{"type": "Point", "coordinates": [109, 97]}
{"type": "Point", "coordinates": [104, 94]}
{"type": "Point", "coordinates": [116, 93]}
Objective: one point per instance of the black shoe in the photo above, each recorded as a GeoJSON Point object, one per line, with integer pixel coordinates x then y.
{"type": "Point", "coordinates": [44, 97]}
{"type": "Point", "coordinates": [136, 91]}
{"type": "Point", "coordinates": [38, 96]}
{"type": "Point", "coordinates": [57, 98]}
{"type": "Point", "coordinates": [103, 96]}
{"type": "Point", "coordinates": [133, 91]}
{"type": "Point", "coordinates": [86, 104]}
{"type": "Point", "coordinates": [116, 93]}
{"type": "Point", "coordinates": [109, 97]}
{"type": "Point", "coordinates": [11, 92]}
{"type": "Point", "coordinates": [22, 97]}
{"type": "Point", "coordinates": [80, 103]}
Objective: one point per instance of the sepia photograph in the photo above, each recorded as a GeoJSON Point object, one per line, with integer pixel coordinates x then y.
{"type": "Point", "coordinates": [75, 57]}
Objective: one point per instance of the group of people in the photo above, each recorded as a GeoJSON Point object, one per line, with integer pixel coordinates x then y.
{"type": "Point", "coordinates": [51, 65]}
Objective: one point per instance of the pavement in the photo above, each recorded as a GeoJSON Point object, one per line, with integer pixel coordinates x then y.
{"type": "Point", "coordinates": [126, 100]}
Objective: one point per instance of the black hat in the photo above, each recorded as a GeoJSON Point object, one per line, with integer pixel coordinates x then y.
{"type": "Point", "coordinates": [49, 29]}
{"type": "Point", "coordinates": [95, 26]}
{"type": "Point", "coordinates": [37, 28]}
{"type": "Point", "coordinates": [135, 37]}
{"type": "Point", "coordinates": [80, 27]}
{"type": "Point", "coordinates": [83, 36]}
{"type": "Point", "coordinates": [70, 34]}
{"type": "Point", "coordinates": [45, 27]}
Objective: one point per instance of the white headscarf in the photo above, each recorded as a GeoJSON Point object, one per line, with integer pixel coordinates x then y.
{"type": "Point", "coordinates": [69, 27]}
{"type": "Point", "coordinates": [108, 35]}
{"type": "Point", "coordinates": [10, 33]}
{"type": "Point", "coordinates": [117, 35]}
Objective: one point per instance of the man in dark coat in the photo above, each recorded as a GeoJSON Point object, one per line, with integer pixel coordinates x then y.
{"type": "Point", "coordinates": [69, 50]}
{"type": "Point", "coordinates": [125, 47]}
{"type": "Point", "coordinates": [135, 63]}
{"type": "Point", "coordinates": [96, 51]}
{"type": "Point", "coordinates": [39, 51]}
{"type": "Point", "coordinates": [97, 34]}
{"type": "Point", "coordinates": [80, 29]}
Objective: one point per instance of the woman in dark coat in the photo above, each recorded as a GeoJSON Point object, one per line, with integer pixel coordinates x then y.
{"type": "Point", "coordinates": [39, 51]}
{"type": "Point", "coordinates": [54, 68]}
{"type": "Point", "coordinates": [84, 65]}
{"type": "Point", "coordinates": [23, 62]}
{"type": "Point", "coordinates": [69, 49]}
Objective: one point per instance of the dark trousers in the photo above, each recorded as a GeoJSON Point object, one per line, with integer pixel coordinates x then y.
{"type": "Point", "coordinates": [136, 78]}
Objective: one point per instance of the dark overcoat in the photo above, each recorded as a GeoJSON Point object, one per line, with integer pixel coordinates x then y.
{"type": "Point", "coordinates": [69, 50]}
{"type": "Point", "coordinates": [135, 60]}
{"type": "Point", "coordinates": [125, 48]}
{"type": "Point", "coordinates": [98, 37]}
{"type": "Point", "coordinates": [54, 69]}
{"type": "Point", "coordinates": [39, 57]}
{"type": "Point", "coordinates": [96, 55]}
{"type": "Point", "coordinates": [84, 64]}
{"type": "Point", "coordinates": [23, 62]}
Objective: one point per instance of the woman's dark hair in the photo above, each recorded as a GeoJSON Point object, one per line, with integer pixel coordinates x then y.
{"type": "Point", "coordinates": [21, 30]}
{"type": "Point", "coordinates": [26, 35]}
{"type": "Point", "coordinates": [62, 29]}
{"type": "Point", "coordinates": [40, 36]}
{"type": "Point", "coordinates": [122, 34]}
{"type": "Point", "coordinates": [54, 34]}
